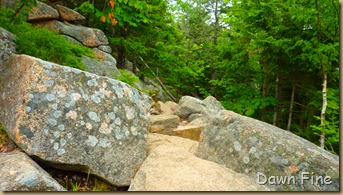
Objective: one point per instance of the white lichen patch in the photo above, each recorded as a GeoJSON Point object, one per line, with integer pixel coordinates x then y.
{"type": "Point", "coordinates": [118, 121]}
{"type": "Point", "coordinates": [31, 96]}
{"type": "Point", "coordinates": [230, 150]}
{"type": "Point", "coordinates": [95, 99]}
{"type": "Point", "coordinates": [69, 135]}
{"type": "Point", "coordinates": [127, 92]}
{"type": "Point", "coordinates": [46, 131]}
{"type": "Point", "coordinates": [60, 151]}
{"type": "Point", "coordinates": [252, 150]}
{"type": "Point", "coordinates": [56, 146]}
{"type": "Point", "coordinates": [66, 69]}
{"type": "Point", "coordinates": [50, 97]}
{"type": "Point", "coordinates": [76, 71]}
{"type": "Point", "coordinates": [49, 82]}
{"type": "Point", "coordinates": [92, 83]}
{"type": "Point", "coordinates": [57, 113]}
{"type": "Point", "coordinates": [28, 109]}
{"type": "Point", "coordinates": [130, 113]}
{"type": "Point", "coordinates": [54, 106]}
{"type": "Point", "coordinates": [284, 161]}
{"type": "Point", "coordinates": [92, 140]}
{"type": "Point", "coordinates": [246, 160]}
{"type": "Point", "coordinates": [112, 115]}
{"type": "Point", "coordinates": [61, 127]}
{"type": "Point", "coordinates": [57, 134]}
{"type": "Point", "coordinates": [82, 123]}
{"type": "Point", "coordinates": [71, 114]}
{"type": "Point", "coordinates": [52, 121]}
{"type": "Point", "coordinates": [104, 142]}
{"type": "Point", "coordinates": [67, 105]}
{"type": "Point", "coordinates": [104, 129]}
{"type": "Point", "coordinates": [63, 142]}
{"type": "Point", "coordinates": [93, 116]}
{"type": "Point", "coordinates": [237, 146]}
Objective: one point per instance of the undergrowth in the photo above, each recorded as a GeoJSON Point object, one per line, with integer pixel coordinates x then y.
{"type": "Point", "coordinates": [43, 43]}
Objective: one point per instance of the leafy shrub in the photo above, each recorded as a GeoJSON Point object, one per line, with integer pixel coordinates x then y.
{"type": "Point", "coordinates": [43, 43]}
{"type": "Point", "coordinates": [127, 78]}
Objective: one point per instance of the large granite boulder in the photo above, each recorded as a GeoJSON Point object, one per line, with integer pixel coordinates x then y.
{"type": "Point", "coordinates": [43, 12]}
{"type": "Point", "coordinates": [73, 119]}
{"type": "Point", "coordinates": [189, 105]}
{"type": "Point", "coordinates": [67, 14]}
{"type": "Point", "coordinates": [265, 152]}
{"type": "Point", "coordinates": [20, 173]}
{"type": "Point", "coordinates": [7, 46]}
{"type": "Point", "coordinates": [90, 37]}
{"type": "Point", "coordinates": [170, 168]}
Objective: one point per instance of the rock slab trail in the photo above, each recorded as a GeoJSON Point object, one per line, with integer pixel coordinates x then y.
{"type": "Point", "coordinates": [172, 166]}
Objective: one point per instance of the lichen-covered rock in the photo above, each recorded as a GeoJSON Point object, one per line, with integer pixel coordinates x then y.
{"type": "Point", "coordinates": [71, 39]}
{"type": "Point", "coordinates": [43, 12]}
{"type": "Point", "coordinates": [163, 123]}
{"type": "Point", "coordinates": [265, 152]}
{"type": "Point", "coordinates": [7, 46]}
{"type": "Point", "coordinates": [20, 173]}
{"type": "Point", "coordinates": [67, 14]}
{"type": "Point", "coordinates": [170, 168]}
{"type": "Point", "coordinates": [73, 119]}
{"type": "Point", "coordinates": [103, 65]}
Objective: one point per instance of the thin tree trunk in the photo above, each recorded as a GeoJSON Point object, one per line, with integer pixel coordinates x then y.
{"type": "Point", "coordinates": [322, 114]}
{"type": "Point", "coordinates": [215, 37]}
{"type": "Point", "coordinates": [276, 110]}
{"type": "Point", "coordinates": [291, 109]}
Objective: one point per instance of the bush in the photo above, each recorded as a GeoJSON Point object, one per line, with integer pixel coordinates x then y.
{"type": "Point", "coordinates": [43, 43]}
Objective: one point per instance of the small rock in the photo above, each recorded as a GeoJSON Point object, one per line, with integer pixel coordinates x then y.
{"type": "Point", "coordinates": [163, 123]}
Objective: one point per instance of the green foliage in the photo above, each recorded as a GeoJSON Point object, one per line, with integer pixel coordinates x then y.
{"type": "Point", "coordinates": [43, 43]}
{"type": "Point", "coordinates": [127, 78]}
{"type": "Point", "coordinates": [3, 135]}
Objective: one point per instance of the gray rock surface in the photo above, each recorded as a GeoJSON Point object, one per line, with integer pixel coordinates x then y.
{"type": "Point", "coordinates": [43, 12]}
{"type": "Point", "coordinates": [213, 104]}
{"type": "Point", "coordinates": [7, 46]}
{"type": "Point", "coordinates": [249, 146]}
{"type": "Point", "coordinates": [105, 48]}
{"type": "Point", "coordinates": [74, 119]}
{"type": "Point", "coordinates": [189, 105]}
{"type": "Point", "coordinates": [170, 168]}
{"type": "Point", "coordinates": [104, 65]}
{"type": "Point", "coordinates": [67, 14]}
{"type": "Point", "coordinates": [20, 173]}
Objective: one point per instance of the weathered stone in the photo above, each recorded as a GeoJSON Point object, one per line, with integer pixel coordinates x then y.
{"type": "Point", "coordinates": [104, 65]}
{"type": "Point", "coordinates": [67, 14]}
{"type": "Point", "coordinates": [53, 25]}
{"type": "Point", "coordinates": [43, 12]}
{"type": "Point", "coordinates": [175, 169]}
{"type": "Point", "coordinates": [71, 39]}
{"type": "Point", "coordinates": [188, 106]}
{"type": "Point", "coordinates": [155, 140]}
{"type": "Point", "coordinates": [249, 146]}
{"type": "Point", "coordinates": [192, 117]}
{"type": "Point", "coordinates": [172, 105]}
{"type": "Point", "coordinates": [105, 48]}
{"type": "Point", "coordinates": [20, 173]}
{"type": "Point", "coordinates": [73, 119]}
{"type": "Point", "coordinates": [163, 123]}
{"type": "Point", "coordinates": [9, 3]}
{"type": "Point", "coordinates": [164, 109]}
{"type": "Point", "coordinates": [189, 132]}
{"type": "Point", "coordinates": [213, 104]}
{"type": "Point", "coordinates": [89, 37]}
{"type": "Point", "coordinates": [7, 46]}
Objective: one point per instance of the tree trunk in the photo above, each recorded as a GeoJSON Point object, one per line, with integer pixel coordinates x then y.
{"type": "Point", "coordinates": [121, 57]}
{"type": "Point", "coordinates": [215, 37]}
{"type": "Point", "coordinates": [322, 114]}
{"type": "Point", "coordinates": [291, 109]}
{"type": "Point", "coordinates": [277, 97]}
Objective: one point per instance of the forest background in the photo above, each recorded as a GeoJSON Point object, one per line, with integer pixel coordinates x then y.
{"type": "Point", "coordinates": [273, 60]}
